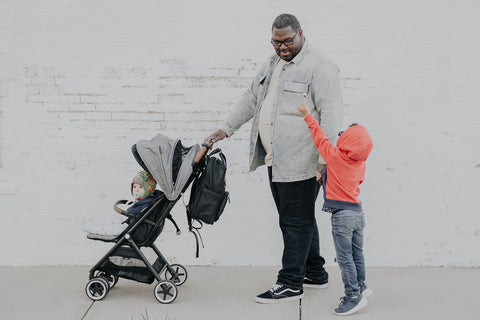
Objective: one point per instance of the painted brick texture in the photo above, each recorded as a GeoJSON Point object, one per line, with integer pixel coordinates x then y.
{"type": "Point", "coordinates": [81, 82]}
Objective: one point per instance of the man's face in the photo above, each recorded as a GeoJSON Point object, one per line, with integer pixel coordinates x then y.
{"type": "Point", "coordinates": [286, 42]}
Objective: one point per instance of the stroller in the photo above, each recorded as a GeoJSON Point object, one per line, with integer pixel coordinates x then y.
{"type": "Point", "coordinates": [174, 167]}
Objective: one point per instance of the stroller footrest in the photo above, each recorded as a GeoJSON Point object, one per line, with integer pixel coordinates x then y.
{"type": "Point", "coordinates": [102, 237]}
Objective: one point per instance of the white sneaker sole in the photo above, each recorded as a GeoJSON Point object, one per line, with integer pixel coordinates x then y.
{"type": "Point", "coordinates": [263, 300]}
{"type": "Point", "coordinates": [362, 304]}
{"type": "Point", "coordinates": [316, 286]}
{"type": "Point", "coordinates": [367, 293]}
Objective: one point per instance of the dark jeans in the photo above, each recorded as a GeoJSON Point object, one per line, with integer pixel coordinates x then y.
{"type": "Point", "coordinates": [301, 258]}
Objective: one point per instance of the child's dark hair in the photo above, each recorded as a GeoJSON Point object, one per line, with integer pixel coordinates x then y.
{"type": "Point", "coordinates": [352, 125]}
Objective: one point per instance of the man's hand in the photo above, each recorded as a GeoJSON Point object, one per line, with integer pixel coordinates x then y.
{"type": "Point", "coordinates": [215, 137]}
{"type": "Point", "coordinates": [321, 172]}
{"type": "Point", "coordinates": [302, 107]}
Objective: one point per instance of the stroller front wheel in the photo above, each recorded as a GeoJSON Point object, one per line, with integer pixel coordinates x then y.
{"type": "Point", "coordinates": [97, 288]}
{"type": "Point", "coordinates": [166, 291]}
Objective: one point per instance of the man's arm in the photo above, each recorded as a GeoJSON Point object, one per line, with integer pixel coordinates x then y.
{"type": "Point", "coordinates": [241, 113]}
{"type": "Point", "coordinates": [215, 137]}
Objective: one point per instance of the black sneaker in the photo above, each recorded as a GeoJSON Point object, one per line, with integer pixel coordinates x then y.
{"type": "Point", "coordinates": [310, 283]}
{"type": "Point", "coordinates": [279, 293]}
{"type": "Point", "coordinates": [349, 305]}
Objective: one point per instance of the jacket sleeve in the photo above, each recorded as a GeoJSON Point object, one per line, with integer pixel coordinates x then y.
{"type": "Point", "coordinates": [320, 139]}
{"type": "Point", "coordinates": [244, 110]}
{"type": "Point", "coordinates": [327, 95]}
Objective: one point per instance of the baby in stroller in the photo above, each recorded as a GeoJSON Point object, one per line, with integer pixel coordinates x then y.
{"type": "Point", "coordinates": [143, 192]}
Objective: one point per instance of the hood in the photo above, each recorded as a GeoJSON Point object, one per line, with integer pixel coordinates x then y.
{"type": "Point", "coordinates": [168, 161]}
{"type": "Point", "coordinates": [355, 143]}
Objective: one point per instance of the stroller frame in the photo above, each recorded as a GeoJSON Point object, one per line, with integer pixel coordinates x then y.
{"type": "Point", "coordinates": [101, 279]}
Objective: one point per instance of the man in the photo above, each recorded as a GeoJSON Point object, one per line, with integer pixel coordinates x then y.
{"type": "Point", "coordinates": [279, 138]}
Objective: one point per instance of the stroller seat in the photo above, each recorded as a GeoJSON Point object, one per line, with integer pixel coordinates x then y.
{"type": "Point", "coordinates": [139, 232]}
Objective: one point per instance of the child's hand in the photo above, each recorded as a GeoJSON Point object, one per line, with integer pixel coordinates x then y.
{"type": "Point", "coordinates": [321, 172]}
{"type": "Point", "coordinates": [302, 107]}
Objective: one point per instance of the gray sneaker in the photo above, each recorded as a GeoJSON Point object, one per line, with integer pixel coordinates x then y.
{"type": "Point", "coordinates": [366, 291]}
{"type": "Point", "coordinates": [351, 304]}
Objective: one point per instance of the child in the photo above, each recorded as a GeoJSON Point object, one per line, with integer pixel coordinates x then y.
{"type": "Point", "coordinates": [345, 172]}
{"type": "Point", "coordinates": [143, 192]}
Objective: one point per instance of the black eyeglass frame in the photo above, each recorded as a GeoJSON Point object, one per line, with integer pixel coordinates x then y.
{"type": "Point", "coordinates": [287, 42]}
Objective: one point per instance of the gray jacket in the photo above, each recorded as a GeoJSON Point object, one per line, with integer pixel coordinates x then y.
{"type": "Point", "coordinates": [295, 157]}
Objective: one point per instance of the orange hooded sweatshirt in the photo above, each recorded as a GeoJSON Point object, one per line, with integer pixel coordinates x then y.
{"type": "Point", "coordinates": [345, 165]}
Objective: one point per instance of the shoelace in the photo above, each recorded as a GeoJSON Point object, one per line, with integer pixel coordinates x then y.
{"type": "Point", "coordinates": [275, 287]}
{"type": "Point", "coordinates": [344, 299]}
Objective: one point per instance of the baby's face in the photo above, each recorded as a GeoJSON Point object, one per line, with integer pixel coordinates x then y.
{"type": "Point", "coordinates": [138, 192]}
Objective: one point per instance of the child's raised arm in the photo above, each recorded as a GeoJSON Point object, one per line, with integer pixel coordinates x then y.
{"type": "Point", "coordinates": [302, 107]}
{"type": "Point", "coordinates": [324, 146]}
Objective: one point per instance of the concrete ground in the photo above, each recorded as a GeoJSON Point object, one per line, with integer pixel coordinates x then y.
{"type": "Point", "coordinates": [227, 293]}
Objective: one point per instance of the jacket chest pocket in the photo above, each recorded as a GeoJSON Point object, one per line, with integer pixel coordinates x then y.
{"type": "Point", "coordinates": [296, 87]}
{"type": "Point", "coordinates": [261, 88]}
{"type": "Point", "coordinates": [292, 95]}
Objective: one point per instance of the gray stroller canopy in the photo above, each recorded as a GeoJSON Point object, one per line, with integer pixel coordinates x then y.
{"type": "Point", "coordinates": [168, 161]}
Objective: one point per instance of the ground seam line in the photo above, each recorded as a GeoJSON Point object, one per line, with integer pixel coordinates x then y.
{"type": "Point", "coordinates": [300, 309]}
{"type": "Point", "coordinates": [86, 312]}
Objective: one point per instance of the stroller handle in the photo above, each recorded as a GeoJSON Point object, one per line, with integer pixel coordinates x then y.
{"type": "Point", "coordinates": [121, 211]}
{"type": "Point", "coordinates": [203, 151]}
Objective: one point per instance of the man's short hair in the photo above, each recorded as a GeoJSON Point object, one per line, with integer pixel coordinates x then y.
{"type": "Point", "coordinates": [285, 20]}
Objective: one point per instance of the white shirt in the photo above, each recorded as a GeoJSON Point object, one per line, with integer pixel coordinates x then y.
{"type": "Point", "coordinates": [265, 124]}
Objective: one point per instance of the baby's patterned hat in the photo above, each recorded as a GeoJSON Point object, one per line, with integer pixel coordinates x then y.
{"type": "Point", "coordinates": [147, 182]}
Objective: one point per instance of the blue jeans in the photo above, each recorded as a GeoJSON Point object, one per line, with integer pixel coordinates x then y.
{"type": "Point", "coordinates": [301, 257]}
{"type": "Point", "coordinates": [347, 231]}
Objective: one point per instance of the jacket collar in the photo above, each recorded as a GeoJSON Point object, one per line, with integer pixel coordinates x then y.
{"type": "Point", "coordinates": [301, 55]}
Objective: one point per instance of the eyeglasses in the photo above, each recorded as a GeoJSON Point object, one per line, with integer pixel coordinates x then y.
{"type": "Point", "coordinates": [287, 42]}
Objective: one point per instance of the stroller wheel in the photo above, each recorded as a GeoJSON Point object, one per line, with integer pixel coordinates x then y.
{"type": "Point", "coordinates": [166, 291]}
{"type": "Point", "coordinates": [97, 288]}
{"type": "Point", "coordinates": [179, 274]}
{"type": "Point", "coordinates": [112, 279]}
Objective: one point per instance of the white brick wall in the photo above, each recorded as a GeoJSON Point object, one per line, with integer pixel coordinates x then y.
{"type": "Point", "coordinates": [81, 82]}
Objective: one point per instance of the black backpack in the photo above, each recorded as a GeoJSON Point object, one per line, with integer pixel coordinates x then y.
{"type": "Point", "coordinates": [208, 196]}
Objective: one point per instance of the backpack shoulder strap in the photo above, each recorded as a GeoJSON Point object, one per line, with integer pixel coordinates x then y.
{"type": "Point", "coordinates": [196, 233]}
{"type": "Point", "coordinates": [220, 154]}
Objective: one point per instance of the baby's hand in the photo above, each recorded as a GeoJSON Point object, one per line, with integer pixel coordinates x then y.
{"type": "Point", "coordinates": [302, 107]}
